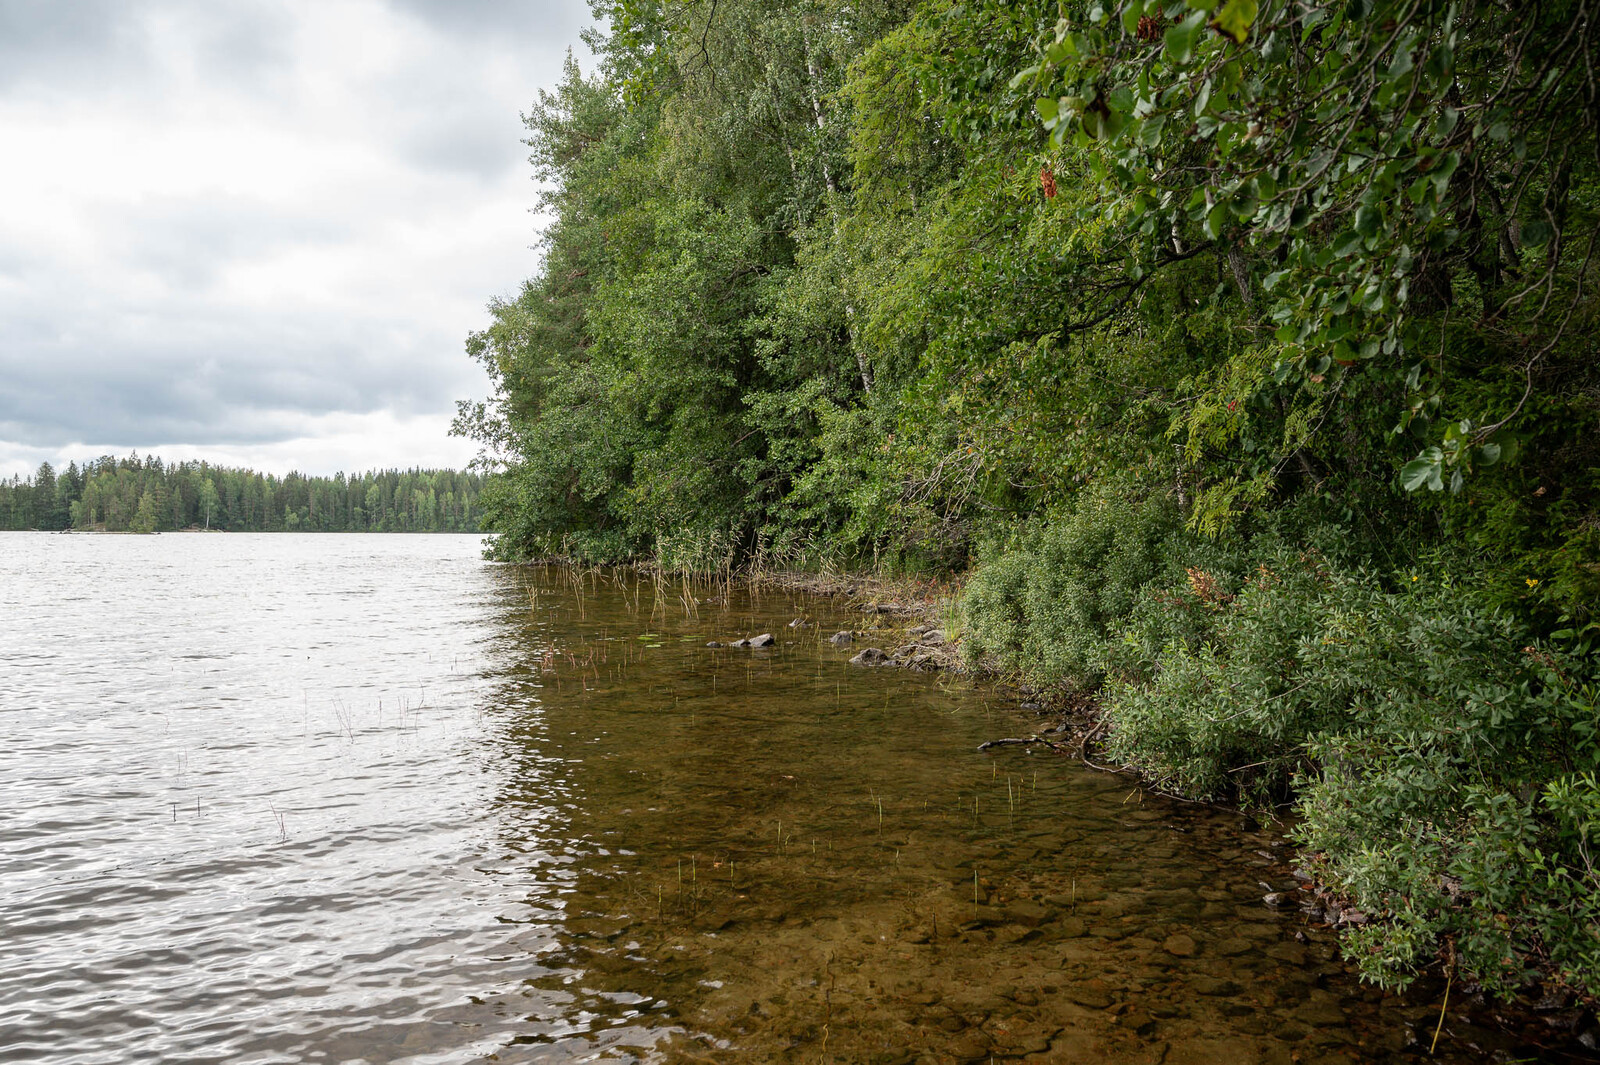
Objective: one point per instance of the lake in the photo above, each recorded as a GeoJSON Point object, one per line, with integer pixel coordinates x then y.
{"type": "Point", "coordinates": [367, 798]}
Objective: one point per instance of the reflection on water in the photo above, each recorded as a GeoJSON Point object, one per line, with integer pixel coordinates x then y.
{"type": "Point", "coordinates": [325, 798]}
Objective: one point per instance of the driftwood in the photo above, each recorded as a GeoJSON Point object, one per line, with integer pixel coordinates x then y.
{"type": "Point", "coordinates": [1022, 741]}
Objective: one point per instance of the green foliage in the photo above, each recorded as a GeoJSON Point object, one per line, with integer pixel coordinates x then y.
{"type": "Point", "coordinates": [1397, 180]}
{"type": "Point", "coordinates": [1441, 759]}
{"type": "Point", "coordinates": [1456, 799]}
{"type": "Point", "coordinates": [1048, 607]}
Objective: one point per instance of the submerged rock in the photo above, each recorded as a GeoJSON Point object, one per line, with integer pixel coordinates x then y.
{"type": "Point", "coordinates": [841, 639]}
{"type": "Point", "coordinates": [872, 656]}
{"type": "Point", "coordinates": [1179, 945]}
{"type": "Point", "coordinates": [766, 639]}
{"type": "Point", "coordinates": [714, 643]}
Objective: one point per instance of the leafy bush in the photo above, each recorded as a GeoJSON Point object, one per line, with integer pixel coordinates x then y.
{"type": "Point", "coordinates": [1047, 607]}
{"type": "Point", "coordinates": [1443, 761]}
{"type": "Point", "coordinates": [1458, 799]}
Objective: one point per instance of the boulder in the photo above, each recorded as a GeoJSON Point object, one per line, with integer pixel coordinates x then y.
{"type": "Point", "coordinates": [935, 638]}
{"type": "Point", "coordinates": [766, 639]}
{"type": "Point", "coordinates": [841, 639]}
{"type": "Point", "coordinates": [872, 656]}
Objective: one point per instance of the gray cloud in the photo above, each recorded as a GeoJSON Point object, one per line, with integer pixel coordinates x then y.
{"type": "Point", "coordinates": [223, 223]}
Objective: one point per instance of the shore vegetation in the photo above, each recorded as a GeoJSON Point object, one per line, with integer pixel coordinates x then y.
{"type": "Point", "coordinates": [1238, 355]}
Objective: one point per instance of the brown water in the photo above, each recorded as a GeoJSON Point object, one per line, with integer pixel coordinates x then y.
{"type": "Point", "coordinates": [323, 798]}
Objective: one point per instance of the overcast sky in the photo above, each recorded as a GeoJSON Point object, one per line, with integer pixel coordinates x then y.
{"type": "Point", "coordinates": [259, 232]}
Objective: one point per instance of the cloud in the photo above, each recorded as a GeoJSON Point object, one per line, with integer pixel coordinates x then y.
{"type": "Point", "coordinates": [251, 226]}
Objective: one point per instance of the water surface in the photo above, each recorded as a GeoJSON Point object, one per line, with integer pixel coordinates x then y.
{"type": "Point", "coordinates": [280, 798]}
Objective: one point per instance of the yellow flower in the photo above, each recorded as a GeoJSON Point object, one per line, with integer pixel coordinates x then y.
{"type": "Point", "coordinates": [1532, 581]}
{"type": "Point", "coordinates": [1413, 576]}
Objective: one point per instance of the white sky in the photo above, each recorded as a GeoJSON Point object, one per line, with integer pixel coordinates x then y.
{"type": "Point", "coordinates": [259, 232]}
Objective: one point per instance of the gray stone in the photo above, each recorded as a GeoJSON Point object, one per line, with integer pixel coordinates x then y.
{"type": "Point", "coordinates": [713, 643]}
{"type": "Point", "coordinates": [935, 638]}
{"type": "Point", "coordinates": [766, 639]}
{"type": "Point", "coordinates": [841, 639]}
{"type": "Point", "coordinates": [871, 656]}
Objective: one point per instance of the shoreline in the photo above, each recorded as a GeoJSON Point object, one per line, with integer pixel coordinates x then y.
{"type": "Point", "coordinates": [1072, 724]}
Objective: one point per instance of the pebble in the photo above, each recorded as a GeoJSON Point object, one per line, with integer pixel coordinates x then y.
{"type": "Point", "coordinates": [1212, 985]}
{"type": "Point", "coordinates": [1179, 945]}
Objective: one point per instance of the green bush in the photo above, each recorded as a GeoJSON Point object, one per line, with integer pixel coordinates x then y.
{"type": "Point", "coordinates": [1458, 799]}
{"type": "Point", "coordinates": [1229, 705]}
{"type": "Point", "coordinates": [1443, 760]}
{"type": "Point", "coordinates": [1047, 607]}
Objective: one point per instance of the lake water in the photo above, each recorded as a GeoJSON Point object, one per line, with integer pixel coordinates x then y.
{"type": "Point", "coordinates": [285, 798]}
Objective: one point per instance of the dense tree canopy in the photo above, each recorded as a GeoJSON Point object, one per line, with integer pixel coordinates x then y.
{"type": "Point", "coordinates": [819, 277]}
{"type": "Point", "coordinates": [147, 495]}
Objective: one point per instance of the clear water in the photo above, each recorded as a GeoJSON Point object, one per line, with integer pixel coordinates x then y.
{"type": "Point", "coordinates": [280, 798]}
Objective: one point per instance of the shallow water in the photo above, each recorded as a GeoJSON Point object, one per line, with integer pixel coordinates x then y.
{"type": "Point", "coordinates": [367, 798]}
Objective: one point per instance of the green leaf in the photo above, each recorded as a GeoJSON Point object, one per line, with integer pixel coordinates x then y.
{"type": "Point", "coordinates": [1368, 221]}
{"type": "Point", "coordinates": [1214, 220]}
{"type": "Point", "coordinates": [1426, 469]}
{"type": "Point", "coordinates": [1347, 243]}
{"type": "Point", "coordinates": [1131, 15]}
{"type": "Point", "coordinates": [1536, 234]}
{"type": "Point", "coordinates": [1181, 38]}
{"type": "Point", "coordinates": [1048, 109]}
{"type": "Point", "coordinates": [1490, 453]}
{"type": "Point", "coordinates": [1235, 19]}
{"type": "Point", "coordinates": [1023, 75]}
{"type": "Point", "coordinates": [1203, 5]}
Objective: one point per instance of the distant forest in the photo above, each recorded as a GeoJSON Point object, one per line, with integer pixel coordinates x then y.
{"type": "Point", "coordinates": [136, 494]}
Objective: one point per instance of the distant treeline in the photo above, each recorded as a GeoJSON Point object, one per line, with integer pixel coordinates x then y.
{"type": "Point", "coordinates": [136, 494]}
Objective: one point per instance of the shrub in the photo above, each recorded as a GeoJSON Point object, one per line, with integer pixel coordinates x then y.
{"type": "Point", "coordinates": [1444, 761]}
{"type": "Point", "coordinates": [1229, 705]}
{"type": "Point", "coordinates": [1047, 607]}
